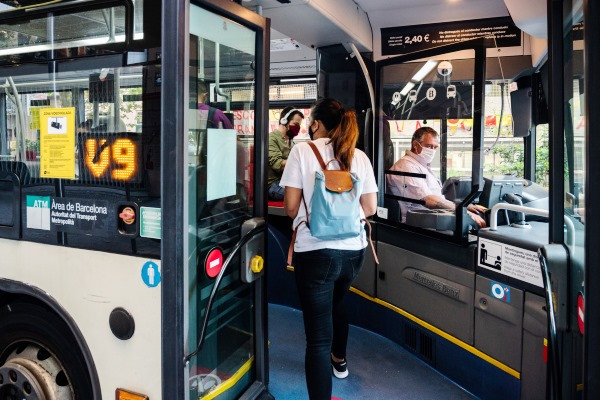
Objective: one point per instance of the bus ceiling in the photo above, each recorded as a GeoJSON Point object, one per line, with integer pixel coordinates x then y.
{"type": "Point", "coordinates": [317, 23]}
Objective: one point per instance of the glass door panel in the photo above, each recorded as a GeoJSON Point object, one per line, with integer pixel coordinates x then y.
{"type": "Point", "coordinates": [437, 92]}
{"type": "Point", "coordinates": [220, 199]}
{"type": "Point", "coordinates": [574, 190]}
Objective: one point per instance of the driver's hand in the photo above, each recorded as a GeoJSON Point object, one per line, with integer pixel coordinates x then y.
{"type": "Point", "coordinates": [478, 220]}
{"type": "Point", "coordinates": [476, 208]}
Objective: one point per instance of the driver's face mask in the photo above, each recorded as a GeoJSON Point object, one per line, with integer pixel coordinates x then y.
{"type": "Point", "coordinates": [426, 153]}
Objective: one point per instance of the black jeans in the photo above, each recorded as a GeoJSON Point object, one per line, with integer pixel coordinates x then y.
{"type": "Point", "coordinates": [323, 278]}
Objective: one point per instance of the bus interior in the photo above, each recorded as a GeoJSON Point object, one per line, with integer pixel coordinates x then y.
{"type": "Point", "coordinates": [494, 309]}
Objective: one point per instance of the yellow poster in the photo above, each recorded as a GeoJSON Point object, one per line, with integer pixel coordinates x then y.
{"type": "Point", "coordinates": [57, 143]}
{"type": "Point", "coordinates": [34, 119]}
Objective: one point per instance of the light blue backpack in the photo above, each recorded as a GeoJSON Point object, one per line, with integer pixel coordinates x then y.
{"type": "Point", "coordinates": [335, 212]}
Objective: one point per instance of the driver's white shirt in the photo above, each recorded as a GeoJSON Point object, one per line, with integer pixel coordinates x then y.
{"type": "Point", "coordinates": [412, 187]}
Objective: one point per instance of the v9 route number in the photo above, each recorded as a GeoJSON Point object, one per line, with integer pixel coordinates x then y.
{"type": "Point", "coordinates": [117, 159]}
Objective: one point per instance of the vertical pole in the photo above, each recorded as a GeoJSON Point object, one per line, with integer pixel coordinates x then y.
{"type": "Point", "coordinates": [174, 30]}
{"type": "Point", "coordinates": [3, 129]}
{"type": "Point", "coordinates": [556, 110]}
{"type": "Point", "coordinates": [261, 121]}
{"type": "Point", "coordinates": [444, 149]}
{"type": "Point", "coordinates": [591, 361]}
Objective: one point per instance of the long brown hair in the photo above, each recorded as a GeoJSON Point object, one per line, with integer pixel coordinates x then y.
{"type": "Point", "coordinates": [341, 127]}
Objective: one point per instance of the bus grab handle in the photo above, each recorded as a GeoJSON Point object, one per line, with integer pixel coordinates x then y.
{"type": "Point", "coordinates": [531, 211]}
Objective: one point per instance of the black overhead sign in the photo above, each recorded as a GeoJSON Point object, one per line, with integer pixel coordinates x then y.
{"type": "Point", "coordinates": [406, 39]}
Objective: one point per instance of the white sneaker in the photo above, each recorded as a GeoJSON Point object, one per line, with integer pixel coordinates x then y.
{"type": "Point", "coordinates": [340, 369]}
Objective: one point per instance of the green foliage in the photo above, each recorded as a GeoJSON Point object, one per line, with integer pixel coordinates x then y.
{"type": "Point", "coordinates": [542, 164]}
{"type": "Point", "coordinates": [513, 157]}
{"type": "Point", "coordinates": [32, 145]}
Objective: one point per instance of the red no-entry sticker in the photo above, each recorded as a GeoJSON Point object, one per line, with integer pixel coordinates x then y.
{"type": "Point", "coordinates": [580, 312]}
{"type": "Point", "coordinates": [214, 262]}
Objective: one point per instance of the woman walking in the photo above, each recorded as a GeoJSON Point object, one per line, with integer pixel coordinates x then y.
{"type": "Point", "coordinates": [325, 268]}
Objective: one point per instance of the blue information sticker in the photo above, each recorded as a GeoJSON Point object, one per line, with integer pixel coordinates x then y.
{"type": "Point", "coordinates": [151, 274]}
{"type": "Point", "coordinates": [500, 291]}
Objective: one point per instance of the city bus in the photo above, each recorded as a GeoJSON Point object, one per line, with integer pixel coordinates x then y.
{"type": "Point", "coordinates": [139, 252]}
{"type": "Point", "coordinates": [107, 273]}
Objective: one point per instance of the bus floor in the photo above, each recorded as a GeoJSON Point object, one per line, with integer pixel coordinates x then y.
{"type": "Point", "coordinates": [378, 368]}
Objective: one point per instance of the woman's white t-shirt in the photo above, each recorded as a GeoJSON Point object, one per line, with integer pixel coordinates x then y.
{"type": "Point", "coordinates": [299, 173]}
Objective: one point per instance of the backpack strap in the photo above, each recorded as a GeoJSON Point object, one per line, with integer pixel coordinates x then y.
{"type": "Point", "coordinates": [370, 241]}
{"type": "Point", "coordinates": [319, 158]}
{"type": "Point", "coordinates": [293, 242]}
{"type": "Point", "coordinates": [291, 248]}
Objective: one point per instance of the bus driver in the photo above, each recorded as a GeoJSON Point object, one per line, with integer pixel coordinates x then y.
{"type": "Point", "coordinates": [417, 160]}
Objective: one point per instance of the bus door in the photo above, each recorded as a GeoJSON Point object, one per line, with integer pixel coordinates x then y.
{"type": "Point", "coordinates": [222, 205]}
{"type": "Point", "coordinates": [564, 258]}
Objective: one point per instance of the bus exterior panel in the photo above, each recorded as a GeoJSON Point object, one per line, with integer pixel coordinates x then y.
{"type": "Point", "coordinates": [133, 364]}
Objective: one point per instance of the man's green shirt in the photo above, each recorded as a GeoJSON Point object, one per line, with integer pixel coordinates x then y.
{"type": "Point", "coordinates": [279, 150]}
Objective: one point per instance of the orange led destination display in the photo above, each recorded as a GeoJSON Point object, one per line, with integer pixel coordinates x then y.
{"type": "Point", "coordinates": [110, 158]}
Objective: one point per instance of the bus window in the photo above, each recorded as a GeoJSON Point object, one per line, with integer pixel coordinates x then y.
{"type": "Point", "coordinates": [504, 153]}
{"type": "Point", "coordinates": [115, 149]}
{"type": "Point", "coordinates": [138, 19]}
{"type": "Point", "coordinates": [574, 121]}
{"type": "Point", "coordinates": [74, 33]}
{"type": "Point", "coordinates": [428, 108]}
{"type": "Point", "coordinates": [542, 153]}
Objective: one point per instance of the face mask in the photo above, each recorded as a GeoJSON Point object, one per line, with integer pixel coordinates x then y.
{"type": "Point", "coordinates": [426, 154]}
{"type": "Point", "coordinates": [311, 133]}
{"type": "Point", "coordinates": [293, 130]}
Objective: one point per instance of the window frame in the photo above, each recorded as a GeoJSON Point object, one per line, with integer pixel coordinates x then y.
{"type": "Point", "coordinates": [460, 235]}
{"type": "Point", "coordinates": [27, 14]}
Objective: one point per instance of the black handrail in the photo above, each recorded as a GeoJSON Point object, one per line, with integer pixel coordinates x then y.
{"type": "Point", "coordinates": [554, 355]}
{"type": "Point", "coordinates": [216, 285]}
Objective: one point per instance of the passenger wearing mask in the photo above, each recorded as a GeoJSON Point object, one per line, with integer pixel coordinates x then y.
{"type": "Point", "coordinates": [325, 269]}
{"type": "Point", "coordinates": [280, 141]}
{"type": "Point", "coordinates": [417, 160]}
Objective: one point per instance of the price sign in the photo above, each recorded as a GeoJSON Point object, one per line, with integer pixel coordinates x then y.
{"type": "Point", "coordinates": [500, 32]}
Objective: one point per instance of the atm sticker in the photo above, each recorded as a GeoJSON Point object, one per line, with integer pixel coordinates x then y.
{"type": "Point", "coordinates": [38, 212]}
{"type": "Point", "coordinates": [511, 261]}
